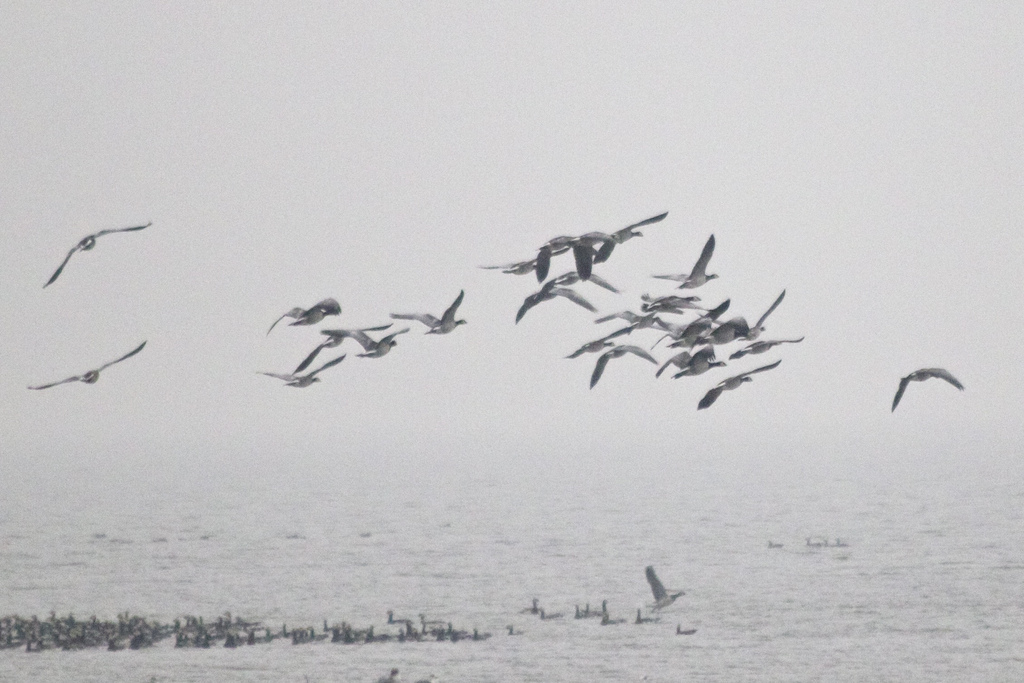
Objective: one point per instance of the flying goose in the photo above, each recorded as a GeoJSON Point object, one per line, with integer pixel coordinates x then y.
{"type": "Point", "coordinates": [688, 336]}
{"type": "Point", "coordinates": [762, 346]}
{"type": "Point", "coordinates": [669, 304]}
{"type": "Point", "coordinates": [335, 337]}
{"type": "Point", "coordinates": [302, 381]}
{"type": "Point", "coordinates": [599, 345]}
{"type": "Point", "coordinates": [312, 315]}
{"type": "Point", "coordinates": [699, 363]}
{"type": "Point", "coordinates": [731, 383]}
{"type": "Point", "coordinates": [920, 376]}
{"type": "Point", "coordinates": [755, 331]}
{"type": "Point", "coordinates": [553, 247]}
{"type": "Point", "coordinates": [698, 276]}
{"type": "Point", "coordinates": [546, 294]}
{"type": "Point", "coordinates": [572, 277]}
{"type": "Point", "coordinates": [444, 325]}
{"type": "Point", "coordinates": [627, 233]}
{"type": "Point", "coordinates": [517, 268]}
{"type": "Point", "coordinates": [87, 243]}
{"type": "Point", "coordinates": [617, 352]}
{"type": "Point", "coordinates": [662, 598]}
{"type": "Point", "coordinates": [92, 376]}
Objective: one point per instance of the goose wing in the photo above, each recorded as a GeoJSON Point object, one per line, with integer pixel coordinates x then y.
{"type": "Point", "coordinates": [646, 221]}
{"type": "Point", "coordinates": [771, 308]}
{"type": "Point", "coordinates": [294, 313]}
{"type": "Point", "coordinates": [705, 257]}
{"type": "Point", "coordinates": [710, 397]}
{"type": "Point", "coordinates": [529, 302]}
{"type": "Point", "coordinates": [312, 356]}
{"type": "Point", "coordinates": [328, 307]}
{"type": "Point", "coordinates": [449, 314]}
{"type": "Point", "coordinates": [944, 374]}
{"type": "Point", "coordinates": [584, 255]}
{"type": "Point", "coordinates": [574, 297]}
{"type": "Point", "coordinates": [656, 586]}
{"type": "Point", "coordinates": [601, 282]}
{"type": "Point", "coordinates": [899, 392]}
{"type": "Point", "coordinates": [60, 268]}
{"type": "Point", "coordinates": [637, 351]}
{"type": "Point", "coordinates": [329, 364]}
{"type": "Point", "coordinates": [124, 357]}
{"type": "Point", "coordinates": [425, 318]}
{"type": "Point", "coordinates": [599, 367]}
{"type": "Point", "coordinates": [63, 381]}
{"type": "Point", "coordinates": [275, 375]}
{"type": "Point", "coordinates": [101, 233]}
{"type": "Point", "coordinates": [543, 264]}
{"type": "Point", "coordinates": [763, 368]}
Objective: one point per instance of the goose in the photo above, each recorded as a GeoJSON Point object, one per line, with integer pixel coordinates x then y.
{"type": "Point", "coordinates": [762, 346]}
{"type": "Point", "coordinates": [599, 345]}
{"type": "Point", "coordinates": [697, 364]}
{"type": "Point", "coordinates": [572, 277]}
{"type": "Point", "coordinates": [517, 268]}
{"type": "Point", "coordinates": [662, 598]}
{"type": "Point", "coordinates": [553, 247]}
{"type": "Point", "coordinates": [549, 293]}
{"type": "Point", "coordinates": [92, 376]}
{"type": "Point", "coordinates": [738, 328]}
{"type": "Point", "coordinates": [687, 336]}
{"type": "Point", "coordinates": [336, 337]}
{"type": "Point", "coordinates": [636, 322]}
{"type": "Point", "coordinates": [680, 631]}
{"type": "Point", "coordinates": [390, 678]}
{"type": "Point", "coordinates": [773, 545]}
{"type": "Point", "coordinates": [624, 235]}
{"type": "Point", "coordinates": [546, 617]}
{"type": "Point", "coordinates": [381, 348]}
{"type": "Point", "coordinates": [312, 315]}
{"type": "Point", "coordinates": [732, 383]}
{"type": "Point", "coordinates": [512, 631]}
{"type": "Point", "coordinates": [302, 381]}
{"type": "Point", "coordinates": [617, 352]}
{"type": "Point", "coordinates": [644, 620]}
{"type": "Point", "coordinates": [444, 325]}
{"type": "Point", "coordinates": [669, 304]}
{"type": "Point", "coordinates": [608, 621]}
{"type": "Point", "coordinates": [755, 331]}
{"type": "Point", "coordinates": [531, 610]}
{"type": "Point", "coordinates": [698, 276]}
{"type": "Point", "coordinates": [87, 243]}
{"type": "Point", "coordinates": [920, 376]}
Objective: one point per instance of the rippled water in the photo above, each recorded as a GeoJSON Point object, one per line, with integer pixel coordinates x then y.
{"type": "Point", "coordinates": [931, 586]}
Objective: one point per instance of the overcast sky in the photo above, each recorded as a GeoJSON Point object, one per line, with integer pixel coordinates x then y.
{"type": "Point", "coordinates": [866, 157]}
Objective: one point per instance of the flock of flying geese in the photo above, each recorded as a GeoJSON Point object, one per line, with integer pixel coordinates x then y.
{"type": "Point", "coordinates": [590, 249]}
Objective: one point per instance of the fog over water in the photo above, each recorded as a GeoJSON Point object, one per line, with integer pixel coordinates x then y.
{"type": "Point", "coordinates": [863, 157]}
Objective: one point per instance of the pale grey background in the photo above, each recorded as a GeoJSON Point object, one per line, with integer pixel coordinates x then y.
{"type": "Point", "coordinates": [864, 156]}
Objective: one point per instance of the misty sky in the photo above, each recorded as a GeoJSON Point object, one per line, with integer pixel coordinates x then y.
{"type": "Point", "coordinates": [866, 157]}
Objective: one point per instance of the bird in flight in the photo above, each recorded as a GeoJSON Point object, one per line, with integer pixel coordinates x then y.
{"type": "Point", "coordinates": [548, 292]}
{"type": "Point", "coordinates": [920, 376]}
{"type": "Point", "coordinates": [87, 243]}
{"type": "Point", "coordinates": [335, 337]}
{"type": "Point", "coordinates": [732, 383]}
{"type": "Point", "coordinates": [311, 315]}
{"type": "Point", "coordinates": [662, 598]}
{"type": "Point", "coordinates": [617, 352]}
{"type": "Point", "coordinates": [698, 276]}
{"type": "Point", "coordinates": [302, 381]}
{"type": "Point", "coordinates": [444, 325]}
{"type": "Point", "coordinates": [762, 346]}
{"type": "Point", "coordinates": [93, 375]}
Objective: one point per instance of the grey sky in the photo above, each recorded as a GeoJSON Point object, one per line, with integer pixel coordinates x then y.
{"type": "Point", "coordinates": [866, 157]}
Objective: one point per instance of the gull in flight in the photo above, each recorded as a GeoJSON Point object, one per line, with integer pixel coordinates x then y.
{"type": "Point", "coordinates": [93, 375]}
{"type": "Point", "coordinates": [662, 598]}
{"type": "Point", "coordinates": [762, 346]}
{"type": "Point", "coordinates": [920, 376]}
{"type": "Point", "coordinates": [312, 315]}
{"type": "Point", "coordinates": [444, 325]}
{"type": "Point", "coordinates": [547, 293]}
{"type": "Point", "coordinates": [698, 276]}
{"type": "Point", "coordinates": [617, 352]}
{"type": "Point", "coordinates": [301, 381]}
{"type": "Point", "coordinates": [87, 243]}
{"type": "Point", "coordinates": [335, 337]}
{"type": "Point", "coordinates": [732, 383]}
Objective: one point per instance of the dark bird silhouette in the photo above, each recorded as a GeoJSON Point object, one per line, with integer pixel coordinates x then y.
{"type": "Point", "coordinates": [762, 346]}
{"type": "Point", "coordinates": [335, 337]}
{"type": "Point", "coordinates": [87, 243]}
{"type": "Point", "coordinates": [920, 376]}
{"type": "Point", "coordinates": [732, 383]}
{"type": "Point", "coordinates": [311, 315]}
{"type": "Point", "coordinates": [548, 293]}
{"type": "Point", "coordinates": [92, 376]}
{"type": "Point", "coordinates": [662, 598]}
{"type": "Point", "coordinates": [443, 325]}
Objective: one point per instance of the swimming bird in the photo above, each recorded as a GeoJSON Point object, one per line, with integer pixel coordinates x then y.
{"type": "Point", "coordinates": [662, 598]}
{"type": "Point", "coordinates": [606, 620]}
{"type": "Point", "coordinates": [617, 352]}
{"type": "Point", "coordinates": [762, 346]}
{"type": "Point", "coordinates": [680, 631]}
{"type": "Point", "coordinates": [311, 315]}
{"type": "Point", "coordinates": [444, 325]}
{"type": "Point", "coordinates": [512, 631]}
{"type": "Point", "coordinates": [87, 243]}
{"type": "Point", "coordinates": [773, 544]}
{"type": "Point", "coordinates": [920, 376]}
{"type": "Point", "coordinates": [698, 276]}
{"type": "Point", "coordinates": [644, 620]}
{"type": "Point", "coordinates": [336, 337]}
{"type": "Point", "coordinates": [302, 381]}
{"type": "Point", "coordinates": [531, 610]}
{"type": "Point", "coordinates": [732, 383]}
{"type": "Point", "coordinates": [549, 293]}
{"type": "Point", "coordinates": [92, 376]}
{"type": "Point", "coordinates": [546, 616]}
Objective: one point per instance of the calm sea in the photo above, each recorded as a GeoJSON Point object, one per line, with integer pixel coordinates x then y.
{"type": "Point", "coordinates": [929, 588]}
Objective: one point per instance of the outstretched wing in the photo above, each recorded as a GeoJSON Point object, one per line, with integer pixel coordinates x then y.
{"type": "Point", "coordinates": [425, 318]}
{"type": "Point", "coordinates": [63, 381]}
{"type": "Point", "coordinates": [60, 269]}
{"type": "Point", "coordinates": [294, 313]}
{"type": "Point", "coordinates": [328, 364]}
{"type": "Point", "coordinates": [599, 367]}
{"type": "Point", "coordinates": [761, 369]}
{"type": "Point", "coordinates": [946, 375]}
{"type": "Point", "coordinates": [286, 378]}
{"type": "Point", "coordinates": [899, 392]}
{"type": "Point", "coordinates": [647, 221]}
{"type": "Point", "coordinates": [656, 586]}
{"type": "Point", "coordinates": [601, 282]}
{"type": "Point", "coordinates": [771, 308]}
{"type": "Point", "coordinates": [449, 314]}
{"type": "Point", "coordinates": [705, 257]}
{"type": "Point", "coordinates": [584, 256]}
{"type": "Point", "coordinates": [112, 230]}
{"type": "Point", "coordinates": [311, 357]}
{"type": "Point", "coordinates": [572, 296]}
{"type": "Point", "coordinates": [124, 357]}
{"type": "Point", "coordinates": [637, 351]}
